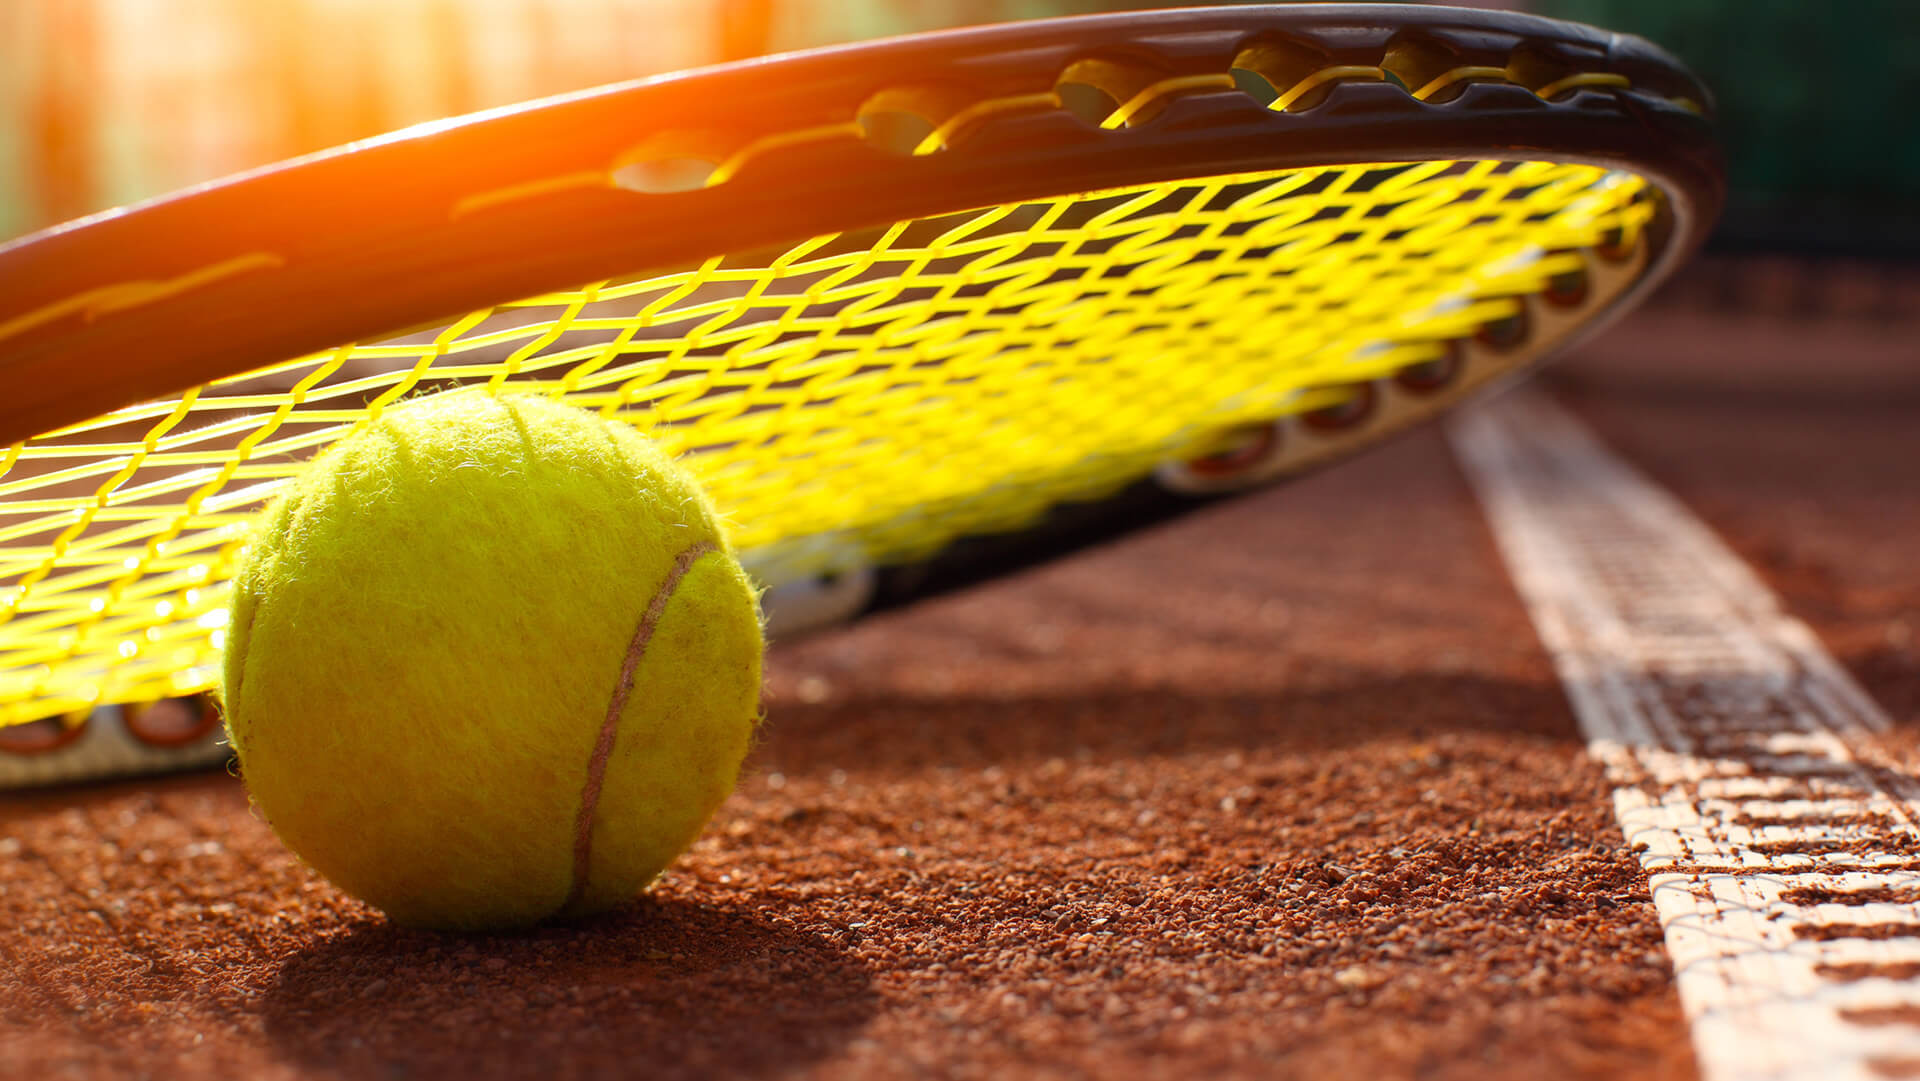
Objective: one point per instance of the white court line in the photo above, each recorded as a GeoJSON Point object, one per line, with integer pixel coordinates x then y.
{"type": "Point", "coordinates": [1780, 842]}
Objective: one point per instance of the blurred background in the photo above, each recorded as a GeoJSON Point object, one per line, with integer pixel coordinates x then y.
{"type": "Point", "coordinates": [107, 102]}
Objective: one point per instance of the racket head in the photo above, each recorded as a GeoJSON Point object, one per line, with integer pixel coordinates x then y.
{"type": "Point", "coordinates": [356, 243]}
{"type": "Point", "coordinates": [922, 217]}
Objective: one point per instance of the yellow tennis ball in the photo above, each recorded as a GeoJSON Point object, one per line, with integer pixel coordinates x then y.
{"type": "Point", "coordinates": [490, 660]}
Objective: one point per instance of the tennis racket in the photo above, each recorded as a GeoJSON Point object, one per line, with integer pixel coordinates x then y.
{"type": "Point", "coordinates": [915, 311]}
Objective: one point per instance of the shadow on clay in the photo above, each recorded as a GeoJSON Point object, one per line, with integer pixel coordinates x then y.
{"type": "Point", "coordinates": [976, 730]}
{"type": "Point", "coordinates": [661, 989]}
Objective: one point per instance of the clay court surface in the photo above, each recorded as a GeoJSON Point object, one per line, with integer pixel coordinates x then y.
{"type": "Point", "coordinates": [1287, 788]}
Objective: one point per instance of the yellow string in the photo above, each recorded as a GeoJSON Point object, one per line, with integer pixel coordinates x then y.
{"type": "Point", "coordinates": [863, 396]}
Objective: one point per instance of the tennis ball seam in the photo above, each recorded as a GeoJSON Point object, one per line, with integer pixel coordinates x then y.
{"type": "Point", "coordinates": [616, 705]}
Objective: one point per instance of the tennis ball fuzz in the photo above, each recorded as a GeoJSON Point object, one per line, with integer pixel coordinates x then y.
{"type": "Point", "coordinates": [490, 660]}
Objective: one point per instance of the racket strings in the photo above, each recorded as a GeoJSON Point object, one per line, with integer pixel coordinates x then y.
{"type": "Point", "coordinates": [858, 398]}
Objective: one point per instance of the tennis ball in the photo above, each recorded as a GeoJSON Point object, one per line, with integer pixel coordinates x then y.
{"type": "Point", "coordinates": [490, 660]}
